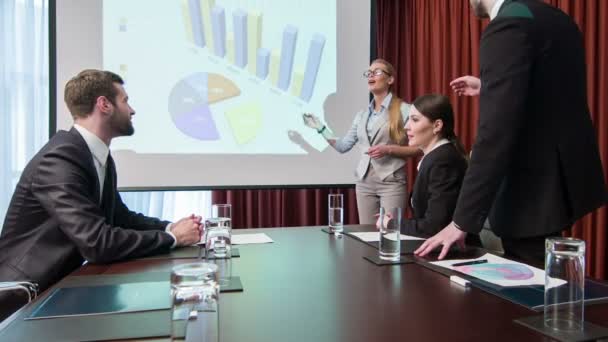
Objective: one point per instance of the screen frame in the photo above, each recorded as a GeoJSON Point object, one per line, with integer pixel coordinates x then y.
{"type": "Point", "coordinates": [52, 12]}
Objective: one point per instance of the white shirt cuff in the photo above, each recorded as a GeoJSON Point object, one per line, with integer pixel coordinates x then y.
{"type": "Point", "coordinates": [168, 230]}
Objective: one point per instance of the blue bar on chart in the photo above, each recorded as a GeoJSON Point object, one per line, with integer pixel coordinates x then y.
{"type": "Point", "coordinates": [288, 49]}
{"type": "Point", "coordinates": [218, 23]}
{"type": "Point", "coordinates": [197, 24]}
{"type": "Point", "coordinates": [263, 59]}
{"type": "Point", "coordinates": [315, 51]}
{"type": "Point", "coordinates": [239, 21]}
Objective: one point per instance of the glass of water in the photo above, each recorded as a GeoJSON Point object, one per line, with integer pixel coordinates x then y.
{"type": "Point", "coordinates": [224, 270]}
{"type": "Point", "coordinates": [389, 226]}
{"type": "Point", "coordinates": [222, 210]}
{"type": "Point", "coordinates": [336, 213]}
{"type": "Point", "coordinates": [218, 237]}
{"type": "Point", "coordinates": [194, 302]}
{"type": "Point", "coordinates": [564, 301]}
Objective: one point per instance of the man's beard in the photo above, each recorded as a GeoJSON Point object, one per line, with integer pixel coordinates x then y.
{"type": "Point", "coordinates": [122, 125]}
{"type": "Point", "coordinates": [478, 9]}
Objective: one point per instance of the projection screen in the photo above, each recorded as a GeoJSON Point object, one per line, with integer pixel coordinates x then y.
{"type": "Point", "coordinates": [219, 86]}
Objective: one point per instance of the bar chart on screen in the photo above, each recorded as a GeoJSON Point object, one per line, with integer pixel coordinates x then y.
{"type": "Point", "coordinates": [233, 76]}
{"type": "Point", "coordinates": [205, 26]}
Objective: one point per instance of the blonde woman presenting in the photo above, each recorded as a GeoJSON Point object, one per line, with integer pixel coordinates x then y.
{"type": "Point", "coordinates": [379, 131]}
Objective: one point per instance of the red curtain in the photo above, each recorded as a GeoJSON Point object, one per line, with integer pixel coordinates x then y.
{"type": "Point", "coordinates": [284, 207]}
{"type": "Point", "coordinates": [433, 41]}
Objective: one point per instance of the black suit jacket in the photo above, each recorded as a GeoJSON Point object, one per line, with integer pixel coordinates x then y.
{"type": "Point", "coordinates": [535, 166]}
{"type": "Point", "coordinates": [435, 191]}
{"type": "Point", "coordinates": [55, 221]}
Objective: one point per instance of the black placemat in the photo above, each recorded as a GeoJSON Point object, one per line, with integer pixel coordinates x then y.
{"type": "Point", "coordinates": [375, 259]}
{"type": "Point", "coordinates": [234, 253]}
{"type": "Point", "coordinates": [407, 246]}
{"type": "Point", "coordinates": [326, 230]}
{"type": "Point", "coordinates": [187, 252]}
{"type": "Point", "coordinates": [590, 332]}
{"type": "Point", "coordinates": [234, 285]}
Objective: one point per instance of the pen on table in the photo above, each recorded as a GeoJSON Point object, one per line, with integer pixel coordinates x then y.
{"type": "Point", "coordinates": [467, 263]}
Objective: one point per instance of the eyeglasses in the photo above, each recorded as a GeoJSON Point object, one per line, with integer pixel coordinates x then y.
{"type": "Point", "coordinates": [376, 72]}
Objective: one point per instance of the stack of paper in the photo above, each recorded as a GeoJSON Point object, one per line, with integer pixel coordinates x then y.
{"type": "Point", "coordinates": [246, 239]}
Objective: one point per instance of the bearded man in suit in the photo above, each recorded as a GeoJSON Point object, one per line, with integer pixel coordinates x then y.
{"type": "Point", "coordinates": [66, 208]}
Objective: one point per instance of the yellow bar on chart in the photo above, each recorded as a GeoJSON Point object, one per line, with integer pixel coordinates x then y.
{"type": "Point", "coordinates": [254, 39]}
{"type": "Point", "coordinates": [187, 21]}
{"type": "Point", "coordinates": [275, 60]}
{"type": "Point", "coordinates": [124, 72]}
{"type": "Point", "coordinates": [206, 7]}
{"type": "Point", "coordinates": [296, 82]}
{"type": "Point", "coordinates": [123, 24]}
{"type": "Point", "coordinates": [230, 47]}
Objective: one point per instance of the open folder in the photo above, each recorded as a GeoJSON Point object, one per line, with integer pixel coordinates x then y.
{"type": "Point", "coordinates": [104, 299]}
{"type": "Point", "coordinates": [517, 282]}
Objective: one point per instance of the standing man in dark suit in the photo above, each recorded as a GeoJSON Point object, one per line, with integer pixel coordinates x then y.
{"type": "Point", "coordinates": [535, 167]}
{"type": "Point", "coordinates": [66, 208]}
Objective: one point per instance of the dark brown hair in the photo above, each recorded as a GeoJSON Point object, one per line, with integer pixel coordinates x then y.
{"type": "Point", "coordinates": [438, 107]}
{"type": "Point", "coordinates": [82, 91]}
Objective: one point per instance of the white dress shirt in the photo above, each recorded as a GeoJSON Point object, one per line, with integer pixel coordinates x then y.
{"type": "Point", "coordinates": [495, 8]}
{"type": "Point", "coordinates": [100, 152]}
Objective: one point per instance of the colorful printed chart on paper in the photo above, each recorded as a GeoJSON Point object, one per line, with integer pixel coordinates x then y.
{"type": "Point", "coordinates": [501, 271]}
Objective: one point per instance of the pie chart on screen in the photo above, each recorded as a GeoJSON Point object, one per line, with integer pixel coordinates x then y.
{"type": "Point", "coordinates": [190, 100]}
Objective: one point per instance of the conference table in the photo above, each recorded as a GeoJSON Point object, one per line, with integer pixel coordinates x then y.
{"type": "Point", "coordinates": [313, 286]}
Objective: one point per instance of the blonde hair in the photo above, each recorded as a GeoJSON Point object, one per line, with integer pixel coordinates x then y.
{"type": "Point", "coordinates": [396, 125]}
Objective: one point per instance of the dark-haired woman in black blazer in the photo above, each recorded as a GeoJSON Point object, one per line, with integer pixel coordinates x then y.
{"type": "Point", "coordinates": [441, 170]}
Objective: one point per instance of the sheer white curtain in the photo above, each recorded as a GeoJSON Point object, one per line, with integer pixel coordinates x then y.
{"type": "Point", "coordinates": [24, 111]}
{"type": "Point", "coordinates": [24, 88]}
{"type": "Point", "coordinates": [169, 205]}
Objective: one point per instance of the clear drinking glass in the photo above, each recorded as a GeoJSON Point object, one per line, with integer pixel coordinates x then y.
{"type": "Point", "coordinates": [224, 270]}
{"type": "Point", "coordinates": [218, 237]}
{"type": "Point", "coordinates": [564, 303]}
{"type": "Point", "coordinates": [390, 243]}
{"type": "Point", "coordinates": [222, 210]}
{"type": "Point", "coordinates": [195, 302]}
{"type": "Point", "coordinates": [336, 213]}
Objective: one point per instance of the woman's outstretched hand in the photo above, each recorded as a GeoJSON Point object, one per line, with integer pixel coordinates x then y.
{"type": "Point", "coordinates": [312, 121]}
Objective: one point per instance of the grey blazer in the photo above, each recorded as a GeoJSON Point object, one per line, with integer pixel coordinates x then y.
{"type": "Point", "coordinates": [386, 165]}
